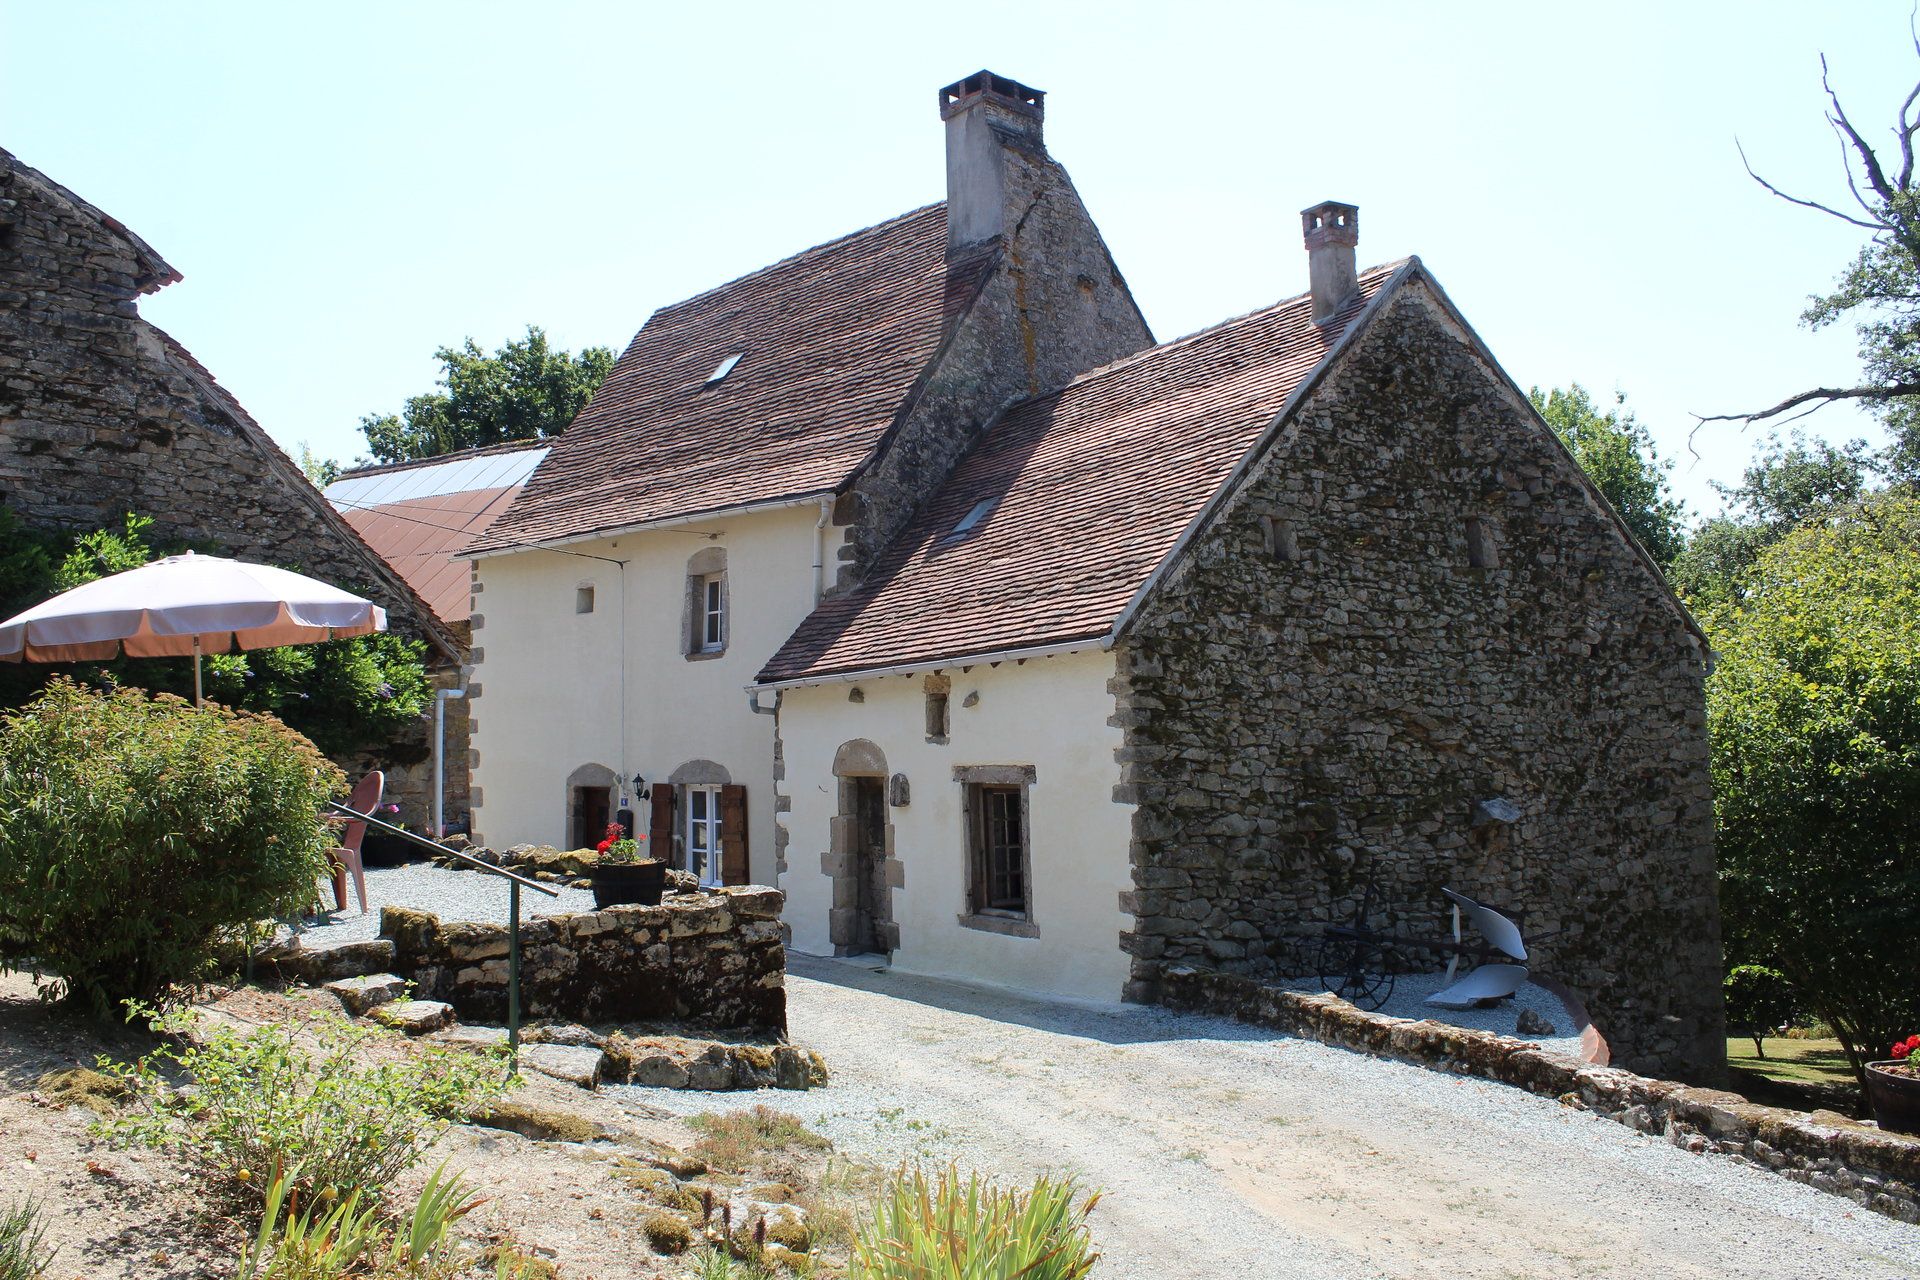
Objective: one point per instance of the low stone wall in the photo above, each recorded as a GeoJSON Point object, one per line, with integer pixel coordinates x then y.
{"type": "Point", "coordinates": [1823, 1149]}
{"type": "Point", "coordinates": [709, 959]}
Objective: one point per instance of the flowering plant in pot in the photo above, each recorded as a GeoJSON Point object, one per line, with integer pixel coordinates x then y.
{"type": "Point", "coordinates": [1893, 1088]}
{"type": "Point", "coordinates": [622, 873]}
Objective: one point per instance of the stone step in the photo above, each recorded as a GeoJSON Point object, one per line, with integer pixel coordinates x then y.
{"type": "Point", "coordinates": [326, 962]}
{"type": "Point", "coordinates": [576, 1064]}
{"type": "Point", "coordinates": [415, 1017]}
{"type": "Point", "coordinates": [361, 995]}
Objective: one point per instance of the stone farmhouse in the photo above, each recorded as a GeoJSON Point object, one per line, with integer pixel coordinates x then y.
{"type": "Point", "coordinates": [1071, 658]}
{"type": "Point", "coordinates": [102, 413]}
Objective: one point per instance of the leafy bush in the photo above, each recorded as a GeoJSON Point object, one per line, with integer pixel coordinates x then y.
{"type": "Point", "coordinates": [136, 831]}
{"type": "Point", "coordinates": [348, 1117]}
{"type": "Point", "coordinates": [343, 694]}
{"type": "Point", "coordinates": [1759, 999]}
{"type": "Point", "coordinates": [23, 1251]}
{"type": "Point", "coordinates": [340, 1237]}
{"type": "Point", "coordinates": [1816, 767]}
{"type": "Point", "coordinates": [954, 1229]}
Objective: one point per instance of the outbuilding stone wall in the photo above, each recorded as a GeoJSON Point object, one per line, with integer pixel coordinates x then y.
{"type": "Point", "coordinates": [1410, 616]}
{"type": "Point", "coordinates": [711, 959]}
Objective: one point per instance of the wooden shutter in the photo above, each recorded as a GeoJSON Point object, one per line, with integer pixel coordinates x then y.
{"type": "Point", "coordinates": [733, 834]}
{"type": "Point", "coordinates": [660, 823]}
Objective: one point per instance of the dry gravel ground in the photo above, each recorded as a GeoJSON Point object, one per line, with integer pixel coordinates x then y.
{"type": "Point", "coordinates": [1229, 1151]}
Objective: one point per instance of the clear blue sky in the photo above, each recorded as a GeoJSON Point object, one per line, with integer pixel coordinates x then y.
{"type": "Point", "coordinates": [348, 186]}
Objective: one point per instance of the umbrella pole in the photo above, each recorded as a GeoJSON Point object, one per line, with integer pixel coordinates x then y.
{"type": "Point", "coordinates": [196, 671]}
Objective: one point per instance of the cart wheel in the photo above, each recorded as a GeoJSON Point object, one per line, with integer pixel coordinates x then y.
{"type": "Point", "coordinates": [1356, 971]}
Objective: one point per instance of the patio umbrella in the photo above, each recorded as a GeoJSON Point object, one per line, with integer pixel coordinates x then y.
{"type": "Point", "coordinates": [187, 604]}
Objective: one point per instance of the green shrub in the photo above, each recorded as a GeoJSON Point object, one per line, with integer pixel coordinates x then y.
{"type": "Point", "coordinates": [23, 1251]}
{"type": "Point", "coordinates": [1759, 1000]}
{"type": "Point", "coordinates": [347, 1117]}
{"type": "Point", "coordinates": [955, 1229]}
{"type": "Point", "coordinates": [135, 832]}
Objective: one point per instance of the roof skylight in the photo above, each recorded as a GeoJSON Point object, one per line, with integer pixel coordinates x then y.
{"type": "Point", "coordinates": [975, 517]}
{"type": "Point", "coordinates": [724, 368]}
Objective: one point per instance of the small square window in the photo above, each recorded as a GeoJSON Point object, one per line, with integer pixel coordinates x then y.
{"type": "Point", "coordinates": [583, 599]}
{"type": "Point", "coordinates": [975, 517]}
{"type": "Point", "coordinates": [721, 371]}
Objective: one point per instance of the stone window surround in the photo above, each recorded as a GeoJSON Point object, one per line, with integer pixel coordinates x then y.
{"type": "Point", "coordinates": [998, 775]}
{"type": "Point", "coordinates": [860, 758]}
{"type": "Point", "coordinates": [583, 596]}
{"type": "Point", "coordinates": [707, 564]}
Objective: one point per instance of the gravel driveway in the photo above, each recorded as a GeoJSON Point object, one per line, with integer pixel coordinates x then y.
{"type": "Point", "coordinates": [1227, 1151]}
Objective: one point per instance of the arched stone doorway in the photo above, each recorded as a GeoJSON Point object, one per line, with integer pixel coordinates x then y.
{"type": "Point", "coordinates": [590, 790]}
{"type": "Point", "coordinates": [860, 861]}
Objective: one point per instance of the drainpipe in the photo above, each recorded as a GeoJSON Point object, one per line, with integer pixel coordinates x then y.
{"type": "Point", "coordinates": [440, 754]}
{"type": "Point", "coordinates": [820, 548]}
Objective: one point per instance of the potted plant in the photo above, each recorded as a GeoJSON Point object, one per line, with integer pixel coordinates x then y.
{"type": "Point", "coordinates": [1893, 1088]}
{"type": "Point", "coordinates": [621, 874]}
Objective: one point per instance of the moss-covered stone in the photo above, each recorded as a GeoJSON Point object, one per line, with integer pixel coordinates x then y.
{"type": "Point", "coordinates": [667, 1233]}
{"type": "Point", "coordinates": [541, 1122]}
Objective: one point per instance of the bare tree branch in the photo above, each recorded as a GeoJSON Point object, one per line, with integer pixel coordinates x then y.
{"type": "Point", "coordinates": [1819, 397]}
{"type": "Point", "coordinates": [1876, 178]}
{"type": "Point", "coordinates": [1807, 204]}
{"type": "Point", "coordinates": [1905, 133]}
{"type": "Point", "coordinates": [1846, 167]}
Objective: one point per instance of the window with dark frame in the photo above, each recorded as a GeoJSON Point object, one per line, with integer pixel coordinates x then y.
{"type": "Point", "coordinates": [999, 880]}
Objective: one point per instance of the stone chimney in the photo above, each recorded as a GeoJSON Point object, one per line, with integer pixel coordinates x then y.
{"type": "Point", "coordinates": [1332, 230]}
{"type": "Point", "coordinates": [993, 131]}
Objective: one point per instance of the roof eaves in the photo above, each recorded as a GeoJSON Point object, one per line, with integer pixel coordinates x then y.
{"type": "Point", "coordinates": [481, 550]}
{"type": "Point", "coordinates": [1404, 271]}
{"type": "Point", "coordinates": [842, 675]}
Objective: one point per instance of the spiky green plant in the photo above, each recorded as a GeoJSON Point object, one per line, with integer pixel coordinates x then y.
{"type": "Point", "coordinates": [954, 1228]}
{"type": "Point", "coordinates": [24, 1254]}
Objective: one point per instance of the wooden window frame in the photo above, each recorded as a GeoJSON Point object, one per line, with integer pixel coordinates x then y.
{"type": "Point", "coordinates": [981, 785]}
{"type": "Point", "coordinates": [712, 873]}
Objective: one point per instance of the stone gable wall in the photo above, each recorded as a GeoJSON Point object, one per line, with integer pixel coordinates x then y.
{"type": "Point", "coordinates": [1325, 689]}
{"type": "Point", "coordinates": [100, 415]}
{"type": "Point", "coordinates": [1055, 307]}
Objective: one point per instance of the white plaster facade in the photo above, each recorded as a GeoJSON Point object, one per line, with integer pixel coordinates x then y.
{"type": "Point", "coordinates": [1048, 713]}
{"type": "Point", "coordinates": [559, 690]}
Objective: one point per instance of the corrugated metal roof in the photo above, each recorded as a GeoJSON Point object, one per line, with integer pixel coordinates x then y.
{"type": "Point", "coordinates": [431, 479]}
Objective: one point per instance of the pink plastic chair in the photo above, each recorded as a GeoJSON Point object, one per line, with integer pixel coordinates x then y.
{"type": "Point", "coordinates": [346, 856]}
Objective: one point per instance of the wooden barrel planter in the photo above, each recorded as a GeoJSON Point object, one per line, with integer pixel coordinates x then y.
{"type": "Point", "coordinates": [1894, 1096]}
{"type": "Point", "coordinates": [620, 883]}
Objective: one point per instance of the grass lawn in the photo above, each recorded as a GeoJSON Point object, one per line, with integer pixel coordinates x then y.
{"type": "Point", "coordinates": [1792, 1061]}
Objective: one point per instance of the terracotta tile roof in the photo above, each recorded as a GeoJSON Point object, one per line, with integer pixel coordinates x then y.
{"type": "Point", "coordinates": [418, 515]}
{"type": "Point", "coordinates": [1095, 485]}
{"type": "Point", "coordinates": [831, 343]}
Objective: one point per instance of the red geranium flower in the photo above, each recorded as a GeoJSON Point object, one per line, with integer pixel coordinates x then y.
{"type": "Point", "coordinates": [603, 846]}
{"type": "Point", "coordinates": [1901, 1049]}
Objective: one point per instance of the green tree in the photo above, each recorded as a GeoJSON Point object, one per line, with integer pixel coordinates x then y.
{"type": "Point", "coordinates": [1759, 999]}
{"type": "Point", "coordinates": [320, 471]}
{"type": "Point", "coordinates": [1814, 708]}
{"type": "Point", "coordinates": [1618, 454]}
{"type": "Point", "coordinates": [343, 694]}
{"type": "Point", "coordinates": [1788, 485]}
{"type": "Point", "coordinates": [523, 391]}
{"type": "Point", "coordinates": [1879, 292]}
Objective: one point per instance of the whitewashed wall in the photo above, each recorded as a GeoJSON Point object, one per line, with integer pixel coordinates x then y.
{"type": "Point", "coordinates": [1050, 713]}
{"type": "Point", "coordinates": [550, 678]}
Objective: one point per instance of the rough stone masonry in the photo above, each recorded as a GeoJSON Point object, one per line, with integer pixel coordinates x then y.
{"type": "Point", "coordinates": [1413, 615]}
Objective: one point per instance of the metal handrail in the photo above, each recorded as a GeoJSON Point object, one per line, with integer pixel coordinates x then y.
{"type": "Point", "coordinates": [514, 881]}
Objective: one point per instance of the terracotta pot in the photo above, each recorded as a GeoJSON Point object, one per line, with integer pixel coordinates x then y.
{"type": "Point", "coordinates": [618, 883]}
{"type": "Point", "coordinates": [1895, 1098]}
